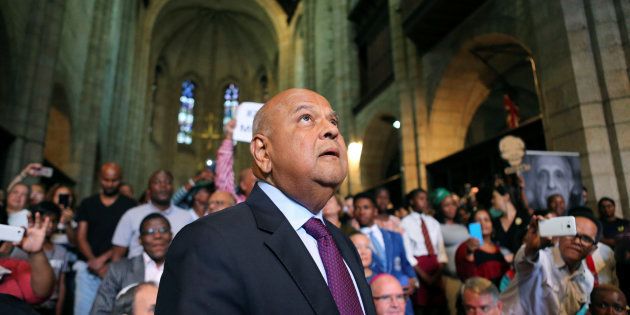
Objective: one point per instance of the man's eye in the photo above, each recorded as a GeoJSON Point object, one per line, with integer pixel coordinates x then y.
{"type": "Point", "coordinates": [306, 117]}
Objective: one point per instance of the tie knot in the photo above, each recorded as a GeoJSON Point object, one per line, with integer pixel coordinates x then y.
{"type": "Point", "coordinates": [316, 228]}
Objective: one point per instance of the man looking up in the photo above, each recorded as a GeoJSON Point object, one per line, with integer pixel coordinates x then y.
{"type": "Point", "coordinates": [126, 238]}
{"type": "Point", "coordinates": [97, 216]}
{"type": "Point", "coordinates": [273, 253]}
{"type": "Point", "coordinates": [553, 280]}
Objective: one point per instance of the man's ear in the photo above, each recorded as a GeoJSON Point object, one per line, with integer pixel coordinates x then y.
{"type": "Point", "coordinates": [259, 148]}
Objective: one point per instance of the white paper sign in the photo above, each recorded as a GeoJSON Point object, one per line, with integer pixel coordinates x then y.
{"type": "Point", "coordinates": [245, 120]}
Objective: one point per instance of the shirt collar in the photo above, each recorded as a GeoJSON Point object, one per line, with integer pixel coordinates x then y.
{"type": "Point", "coordinates": [295, 213]}
{"type": "Point", "coordinates": [368, 229]}
{"type": "Point", "coordinates": [165, 212]}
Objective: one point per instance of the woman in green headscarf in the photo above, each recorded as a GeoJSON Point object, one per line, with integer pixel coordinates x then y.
{"type": "Point", "coordinates": [453, 232]}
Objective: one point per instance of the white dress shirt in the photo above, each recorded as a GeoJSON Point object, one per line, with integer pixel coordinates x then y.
{"type": "Point", "coordinates": [376, 232]}
{"type": "Point", "coordinates": [414, 239]}
{"type": "Point", "coordinates": [545, 286]}
{"type": "Point", "coordinates": [152, 272]}
{"type": "Point", "coordinates": [297, 215]}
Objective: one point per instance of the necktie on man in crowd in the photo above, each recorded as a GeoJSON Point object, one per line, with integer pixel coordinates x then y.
{"type": "Point", "coordinates": [339, 280]}
{"type": "Point", "coordinates": [427, 238]}
{"type": "Point", "coordinates": [378, 248]}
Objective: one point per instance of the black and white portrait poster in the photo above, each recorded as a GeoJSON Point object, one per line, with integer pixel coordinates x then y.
{"type": "Point", "coordinates": [552, 173]}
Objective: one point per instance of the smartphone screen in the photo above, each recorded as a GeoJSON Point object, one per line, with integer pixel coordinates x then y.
{"type": "Point", "coordinates": [475, 231]}
{"type": "Point", "coordinates": [64, 200]}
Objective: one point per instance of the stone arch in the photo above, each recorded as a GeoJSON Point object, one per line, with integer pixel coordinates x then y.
{"type": "Point", "coordinates": [464, 85]}
{"type": "Point", "coordinates": [58, 141]}
{"type": "Point", "coordinates": [380, 156]}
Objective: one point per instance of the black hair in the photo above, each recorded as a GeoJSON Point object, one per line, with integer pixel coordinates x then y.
{"type": "Point", "coordinates": [152, 216]}
{"type": "Point", "coordinates": [587, 213]}
{"type": "Point", "coordinates": [410, 195]}
{"type": "Point", "coordinates": [600, 204]}
{"type": "Point", "coordinates": [364, 195]}
{"type": "Point", "coordinates": [46, 208]}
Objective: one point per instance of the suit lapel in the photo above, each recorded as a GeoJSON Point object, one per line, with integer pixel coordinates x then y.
{"type": "Point", "coordinates": [287, 246]}
{"type": "Point", "coordinates": [389, 250]}
{"type": "Point", "coordinates": [137, 269]}
{"type": "Point", "coordinates": [351, 257]}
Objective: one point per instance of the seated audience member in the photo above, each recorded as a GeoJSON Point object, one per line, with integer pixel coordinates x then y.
{"type": "Point", "coordinates": [557, 205]}
{"type": "Point", "coordinates": [57, 256]}
{"type": "Point", "coordinates": [561, 268]}
{"type": "Point", "coordinates": [30, 280]}
{"type": "Point", "coordinates": [424, 245]}
{"type": "Point", "coordinates": [182, 197]}
{"type": "Point", "coordinates": [126, 238]}
{"type": "Point", "coordinates": [220, 200]}
{"type": "Point", "coordinates": [137, 300]}
{"type": "Point", "coordinates": [126, 190]}
{"type": "Point", "coordinates": [608, 300]}
{"type": "Point", "coordinates": [386, 218]}
{"type": "Point", "coordinates": [56, 194]}
{"type": "Point", "coordinates": [475, 260]}
{"type": "Point", "coordinates": [155, 237]}
{"type": "Point", "coordinates": [480, 296]}
{"type": "Point", "coordinates": [612, 226]}
{"type": "Point", "coordinates": [200, 203]}
{"type": "Point", "coordinates": [388, 295]}
{"type": "Point", "coordinates": [38, 192]}
{"type": "Point", "coordinates": [453, 231]}
{"type": "Point", "coordinates": [333, 213]}
{"type": "Point", "coordinates": [17, 199]}
{"type": "Point", "coordinates": [364, 248]}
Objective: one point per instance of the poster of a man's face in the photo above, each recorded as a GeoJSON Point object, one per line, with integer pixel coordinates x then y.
{"type": "Point", "coordinates": [552, 173]}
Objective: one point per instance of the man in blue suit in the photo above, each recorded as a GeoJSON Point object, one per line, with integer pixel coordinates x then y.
{"type": "Point", "coordinates": [387, 246]}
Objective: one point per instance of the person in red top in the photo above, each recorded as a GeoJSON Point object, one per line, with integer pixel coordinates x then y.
{"type": "Point", "coordinates": [475, 260]}
{"type": "Point", "coordinates": [30, 280]}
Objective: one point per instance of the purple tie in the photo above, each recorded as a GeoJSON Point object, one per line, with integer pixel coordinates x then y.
{"type": "Point", "coordinates": [339, 281]}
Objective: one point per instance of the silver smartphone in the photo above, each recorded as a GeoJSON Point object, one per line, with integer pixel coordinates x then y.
{"type": "Point", "coordinates": [558, 226]}
{"type": "Point", "coordinates": [45, 171]}
{"type": "Point", "coordinates": [11, 233]}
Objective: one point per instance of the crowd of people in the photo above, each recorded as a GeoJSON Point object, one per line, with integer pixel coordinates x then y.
{"type": "Point", "coordinates": [107, 253]}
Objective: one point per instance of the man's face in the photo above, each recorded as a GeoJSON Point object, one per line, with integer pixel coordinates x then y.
{"type": "Point", "coordinates": [382, 200]}
{"type": "Point", "coordinates": [161, 188]}
{"type": "Point", "coordinates": [110, 181]}
{"type": "Point", "coordinates": [200, 201]}
{"type": "Point", "coordinates": [389, 298]}
{"type": "Point", "coordinates": [608, 209]}
{"type": "Point", "coordinates": [553, 176]}
{"type": "Point", "coordinates": [364, 211]}
{"type": "Point", "coordinates": [155, 236]}
{"type": "Point", "coordinates": [420, 202]}
{"type": "Point", "coordinates": [574, 249]}
{"type": "Point", "coordinates": [17, 197]}
{"type": "Point", "coordinates": [480, 304]}
{"type": "Point", "coordinates": [608, 302]}
{"type": "Point", "coordinates": [144, 300]}
{"type": "Point", "coordinates": [557, 205]}
{"type": "Point", "coordinates": [220, 200]}
{"type": "Point", "coordinates": [305, 147]}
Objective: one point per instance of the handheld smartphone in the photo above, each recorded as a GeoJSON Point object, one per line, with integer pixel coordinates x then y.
{"type": "Point", "coordinates": [474, 229]}
{"type": "Point", "coordinates": [45, 172]}
{"type": "Point", "coordinates": [64, 200]}
{"type": "Point", "coordinates": [558, 226]}
{"type": "Point", "coordinates": [11, 233]}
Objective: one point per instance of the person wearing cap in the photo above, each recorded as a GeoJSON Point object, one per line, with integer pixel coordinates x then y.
{"type": "Point", "coordinates": [553, 279]}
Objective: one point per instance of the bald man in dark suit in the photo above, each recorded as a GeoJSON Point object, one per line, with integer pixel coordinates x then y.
{"type": "Point", "coordinates": [274, 253]}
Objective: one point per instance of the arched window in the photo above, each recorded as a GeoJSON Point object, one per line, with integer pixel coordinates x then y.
{"type": "Point", "coordinates": [186, 117]}
{"type": "Point", "coordinates": [230, 102]}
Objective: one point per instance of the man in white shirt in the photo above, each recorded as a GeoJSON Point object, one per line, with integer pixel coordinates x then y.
{"type": "Point", "coordinates": [553, 280]}
{"type": "Point", "coordinates": [126, 238]}
{"type": "Point", "coordinates": [155, 237]}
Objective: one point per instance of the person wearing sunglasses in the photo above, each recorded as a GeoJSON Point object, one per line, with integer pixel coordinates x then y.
{"type": "Point", "coordinates": [155, 237]}
{"type": "Point", "coordinates": [553, 279]}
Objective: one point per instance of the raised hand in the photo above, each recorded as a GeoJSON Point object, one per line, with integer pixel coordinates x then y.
{"type": "Point", "coordinates": [35, 235]}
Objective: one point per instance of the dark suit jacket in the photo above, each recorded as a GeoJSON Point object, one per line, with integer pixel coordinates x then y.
{"type": "Point", "coordinates": [247, 259]}
{"type": "Point", "coordinates": [120, 274]}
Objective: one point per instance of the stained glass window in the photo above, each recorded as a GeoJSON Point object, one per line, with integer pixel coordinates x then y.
{"type": "Point", "coordinates": [230, 102]}
{"type": "Point", "coordinates": [185, 118]}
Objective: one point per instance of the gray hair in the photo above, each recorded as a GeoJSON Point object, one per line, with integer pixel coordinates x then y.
{"type": "Point", "coordinates": [481, 286]}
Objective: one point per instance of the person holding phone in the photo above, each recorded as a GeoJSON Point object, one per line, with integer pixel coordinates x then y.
{"type": "Point", "coordinates": [481, 257]}
{"type": "Point", "coordinates": [63, 196]}
{"type": "Point", "coordinates": [553, 279]}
